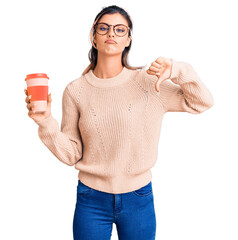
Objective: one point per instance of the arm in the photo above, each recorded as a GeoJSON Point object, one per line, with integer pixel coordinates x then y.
{"type": "Point", "coordinates": [66, 144]}
{"type": "Point", "coordinates": [186, 92]}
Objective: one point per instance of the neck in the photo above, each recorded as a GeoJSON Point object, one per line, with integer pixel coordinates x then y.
{"type": "Point", "coordinates": [108, 66]}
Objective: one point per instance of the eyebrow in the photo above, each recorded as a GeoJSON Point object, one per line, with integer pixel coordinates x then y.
{"type": "Point", "coordinates": [115, 24]}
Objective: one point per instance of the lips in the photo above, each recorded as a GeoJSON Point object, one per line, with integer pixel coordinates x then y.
{"type": "Point", "coordinates": [110, 41]}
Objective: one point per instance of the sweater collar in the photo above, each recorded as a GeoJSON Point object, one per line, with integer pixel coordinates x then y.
{"type": "Point", "coordinates": [119, 79]}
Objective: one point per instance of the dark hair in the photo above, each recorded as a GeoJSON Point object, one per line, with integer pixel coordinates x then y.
{"type": "Point", "coordinates": [92, 55]}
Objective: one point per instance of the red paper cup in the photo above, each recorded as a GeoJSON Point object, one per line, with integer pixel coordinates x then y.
{"type": "Point", "coordinates": [37, 87]}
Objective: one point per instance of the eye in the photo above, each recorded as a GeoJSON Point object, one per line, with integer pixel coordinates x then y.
{"type": "Point", "coordinates": [103, 28]}
{"type": "Point", "coordinates": [120, 30]}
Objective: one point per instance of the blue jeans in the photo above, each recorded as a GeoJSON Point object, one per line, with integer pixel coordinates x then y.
{"type": "Point", "coordinates": [133, 214]}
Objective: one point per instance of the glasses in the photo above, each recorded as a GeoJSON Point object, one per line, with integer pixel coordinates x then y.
{"type": "Point", "coordinates": [119, 29]}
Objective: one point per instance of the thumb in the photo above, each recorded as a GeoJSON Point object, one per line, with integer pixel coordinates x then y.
{"type": "Point", "coordinates": [49, 99]}
{"type": "Point", "coordinates": [158, 82]}
{"type": "Point", "coordinates": [157, 86]}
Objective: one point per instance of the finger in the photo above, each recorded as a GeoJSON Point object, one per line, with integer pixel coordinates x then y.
{"type": "Point", "coordinates": [155, 69]}
{"type": "Point", "coordinates": [157, 74]}
{"type": "Point", "coordinates": [160, 60]}
{"type": "Point", "coordinates": [157, 86]}
{"type": "Point", "coordinates": [28, 99]}
{"type": "Point", "coordinates": [49, 99]}
{"type": "Point", "coordinates": [30, 106]}
{"type": "Point", "coordinates": [31, 114]}
{"type": "Point", "coordinates": [26, 92]}
{"type": "Point", "coordinates": [157, 65]}
{"type": "Point", "coordinates": [151, 72]}
{"type": "Point", "coordinates": [32, 110]}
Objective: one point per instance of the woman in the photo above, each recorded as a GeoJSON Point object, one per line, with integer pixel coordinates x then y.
{"type": "Point", "coordinates": [110, 129]}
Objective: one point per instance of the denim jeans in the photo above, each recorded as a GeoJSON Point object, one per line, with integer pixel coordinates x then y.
{"type": "Point", "coordinates": [133, 214]}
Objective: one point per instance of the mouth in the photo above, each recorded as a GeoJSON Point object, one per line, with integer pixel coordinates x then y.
{"type": "Point", "coordinates": [110, 41]}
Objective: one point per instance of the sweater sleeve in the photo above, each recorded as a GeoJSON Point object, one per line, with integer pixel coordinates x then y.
{"type": "Point", "coordinates": [186, 92]}
{"type": "Point", "coordinates": [66, 143]}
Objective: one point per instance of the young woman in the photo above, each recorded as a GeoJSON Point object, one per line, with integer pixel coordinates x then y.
{"type": "Point", "coordinates": [111, 121]}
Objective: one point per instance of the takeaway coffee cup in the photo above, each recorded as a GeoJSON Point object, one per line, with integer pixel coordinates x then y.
{"type": "Point", "coordinates": [37, 87]}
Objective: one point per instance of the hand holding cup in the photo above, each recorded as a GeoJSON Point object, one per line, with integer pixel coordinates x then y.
{"type": "Point", "coordinates": [37, 116]}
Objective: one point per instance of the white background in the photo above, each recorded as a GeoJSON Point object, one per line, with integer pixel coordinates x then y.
{"type": "Point", "coordinates": [195, 177]}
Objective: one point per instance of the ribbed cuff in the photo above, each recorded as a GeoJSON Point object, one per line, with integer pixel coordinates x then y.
{"type": "Point", "coordinates": [175, 71]}
{"type": "Point", "coordinates": [48, 122]}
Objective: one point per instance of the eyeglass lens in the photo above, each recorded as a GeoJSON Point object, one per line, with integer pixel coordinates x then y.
{"type": "Point", "coordinates": [120, 30]}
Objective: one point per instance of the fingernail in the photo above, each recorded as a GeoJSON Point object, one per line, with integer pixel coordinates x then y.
{"type": "Point", "coordinates": [30, 96]}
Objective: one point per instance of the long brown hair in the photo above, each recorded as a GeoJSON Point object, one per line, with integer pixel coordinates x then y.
{"type": "Point", "coordinates": [93, 53]}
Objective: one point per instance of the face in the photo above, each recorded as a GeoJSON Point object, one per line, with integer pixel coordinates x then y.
{"type": "Point", "coordinates": [121, 42]}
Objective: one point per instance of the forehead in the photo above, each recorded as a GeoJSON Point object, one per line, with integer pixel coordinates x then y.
{"type": "Point", "coordinates": [115, 18]}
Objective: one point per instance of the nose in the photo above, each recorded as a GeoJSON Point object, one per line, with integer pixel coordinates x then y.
{"type": "Point", "coordinates": [110, 32]}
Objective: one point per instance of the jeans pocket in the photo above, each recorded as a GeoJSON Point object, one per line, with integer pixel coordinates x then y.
{"type": "Point", "coordinates": [83, 189]}
{"type": "Point", "coordinates": [144, 191]}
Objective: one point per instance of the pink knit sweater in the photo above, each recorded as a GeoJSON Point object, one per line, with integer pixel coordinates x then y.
{"type": "Point", "coordinates": [110, 127]}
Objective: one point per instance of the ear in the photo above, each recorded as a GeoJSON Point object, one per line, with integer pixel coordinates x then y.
{"type": "Point", "coordinates": [94, 41]}
{"type": "Point", "coordinates": [128, 41]}
{"type": "Point", "coordinates": [94, 38]}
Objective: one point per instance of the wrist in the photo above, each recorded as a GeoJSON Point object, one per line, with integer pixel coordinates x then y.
{"type": "Point", "coordinates": [175, 71]}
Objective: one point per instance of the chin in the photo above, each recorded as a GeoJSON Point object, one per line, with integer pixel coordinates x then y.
{"type": "Point", "coordinates": [111, 52]}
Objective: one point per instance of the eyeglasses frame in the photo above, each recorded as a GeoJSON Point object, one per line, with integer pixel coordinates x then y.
{"type": "Point", "coordinates": [109, 25]}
